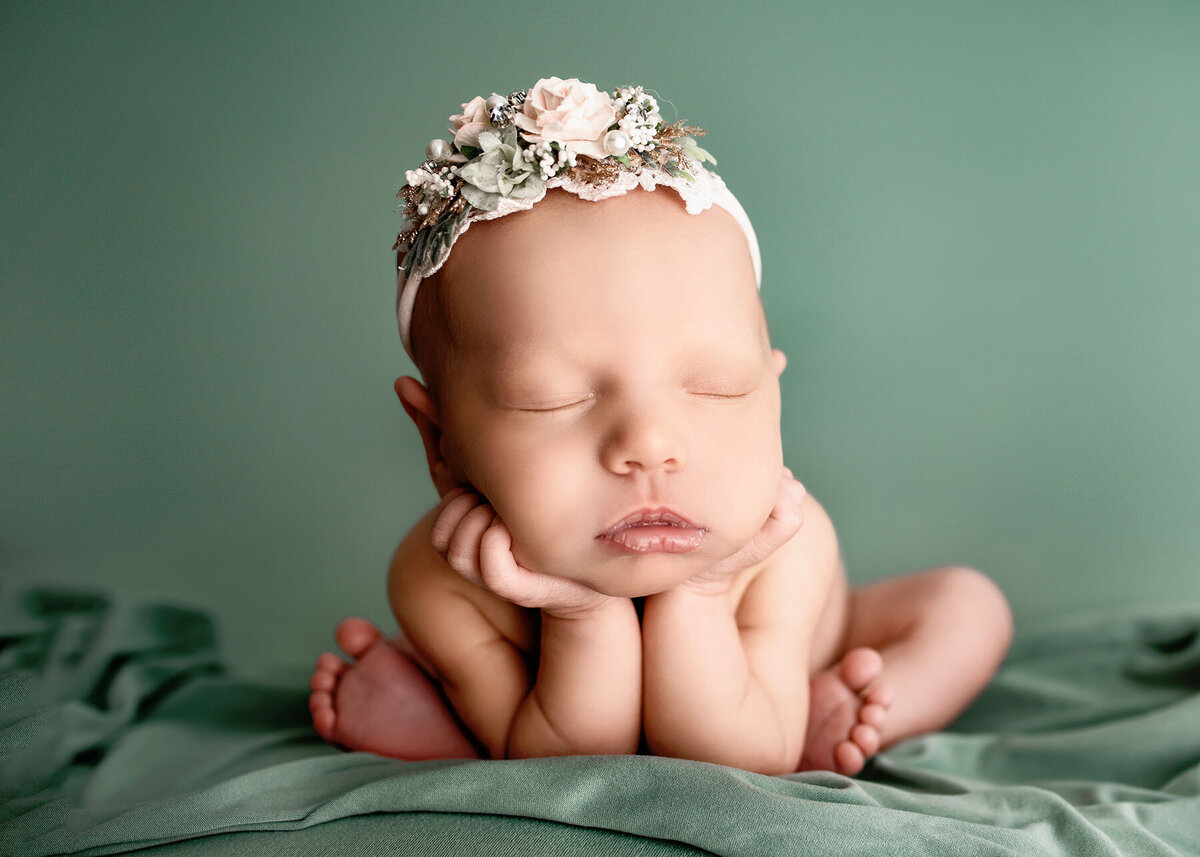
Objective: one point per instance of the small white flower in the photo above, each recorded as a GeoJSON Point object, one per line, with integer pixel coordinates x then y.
{"type": "Point", "coordinates": [435, 183]}
{"type": "Point", "coordinates": [639, 117]}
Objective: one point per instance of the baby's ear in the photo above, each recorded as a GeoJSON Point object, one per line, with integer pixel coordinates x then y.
{"type": "Point", "coordinates": [419, 405]}
{"type": "Point", "coordinates": [780, 360]}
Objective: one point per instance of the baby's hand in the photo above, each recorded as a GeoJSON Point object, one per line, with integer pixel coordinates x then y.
{"type": "Point", "coordinates": [785, 521]}
{"type": "Point", "coordinates": [476, 543]}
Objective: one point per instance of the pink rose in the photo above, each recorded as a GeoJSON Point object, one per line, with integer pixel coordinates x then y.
{"type": "Point", "coordinates": [470, 122]}
{"type": "Point", "coordinates": [574, 113]}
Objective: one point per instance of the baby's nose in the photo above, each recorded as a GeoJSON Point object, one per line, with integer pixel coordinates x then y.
{"type": "Point", "coordinates": [643, 441]}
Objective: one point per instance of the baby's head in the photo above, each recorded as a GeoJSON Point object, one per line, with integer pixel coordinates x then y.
{"type": "Point", "coordinates": [585, 361]}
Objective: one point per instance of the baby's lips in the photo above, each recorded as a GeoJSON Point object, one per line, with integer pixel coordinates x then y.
{"type": "Point", "coordinates": [660, 515]}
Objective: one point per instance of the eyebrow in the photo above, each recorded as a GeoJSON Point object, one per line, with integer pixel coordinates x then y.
{"type": "Point", "coordinates": [508, 360]}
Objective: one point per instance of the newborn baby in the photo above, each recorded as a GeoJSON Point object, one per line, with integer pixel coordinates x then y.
{"type": "Point", "coordinates": [620, 561]}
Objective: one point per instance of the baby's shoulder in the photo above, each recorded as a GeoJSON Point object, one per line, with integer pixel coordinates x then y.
{"type": "Point", "coordinates": [814, 547]}
{"type": "Point", "coordinates": [795, 581]}
{"type": "Point", "coordinates": [423, 588]}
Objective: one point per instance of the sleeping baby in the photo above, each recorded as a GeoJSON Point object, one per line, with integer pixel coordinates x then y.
{"type": "Point", "coordinates": [620, 561]}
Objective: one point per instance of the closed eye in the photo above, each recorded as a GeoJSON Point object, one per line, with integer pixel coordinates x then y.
{"type": "Point", "coordinates": [720, 394]}
{"type": "Point", "coordinates": [726, 386]}
{"type": "Point", "coordinates": [551, 407]}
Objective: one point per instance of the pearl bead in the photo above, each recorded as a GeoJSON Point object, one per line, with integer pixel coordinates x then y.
{"type": "Point", "coordinates": [616, 143]}
{"type": "Point", "coordinates": [437, 150]}
{"type": "Point", "coordinates": [495, 101]}
{"type": "Point", "coordinates": [422, 209]}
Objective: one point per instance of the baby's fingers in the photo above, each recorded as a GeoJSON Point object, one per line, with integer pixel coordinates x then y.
{"type": "Point", "coordinates": [785, 519]}
{"type": "Point", "coordinates": [451, 510]}
{"type": "Point", "coordinates": [497, 565]}
{"type": "Point", "coordinates": [789, 510]}
{"type": "Point", "coordinates": [462, 554]}
{"type": "Point", "coordinates": [503, 576]}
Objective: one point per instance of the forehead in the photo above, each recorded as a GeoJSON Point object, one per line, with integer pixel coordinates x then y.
{"type": "Point", "coordinates": [634, 271]}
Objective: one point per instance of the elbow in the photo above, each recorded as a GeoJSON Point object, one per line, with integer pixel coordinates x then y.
{"type": "Point", "coordinates": [537, 736]}
{"type": "Point", "coordinates": [598, 747]}
{"type": "Point", "coordinates": [760, 740]}
{"type": "Point", "coordinates": [774, 764]}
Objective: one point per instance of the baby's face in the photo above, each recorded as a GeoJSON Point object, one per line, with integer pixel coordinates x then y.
{"type": "Point", "coordinates": [614, 360]}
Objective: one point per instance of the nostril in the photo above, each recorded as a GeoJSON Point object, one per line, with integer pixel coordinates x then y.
{"type": "Point", "coordinates": [642, 442]}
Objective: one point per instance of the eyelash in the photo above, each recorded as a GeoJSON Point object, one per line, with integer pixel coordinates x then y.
{"type": "Point", "coordinates": [563, 407]}
{"type": "Point", "coordinates": [590, 396]}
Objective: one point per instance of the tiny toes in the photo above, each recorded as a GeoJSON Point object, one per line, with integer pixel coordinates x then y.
{"type": "Point", "coordinates": [356, 635]}
{"type": "Point", "coordinates": [329, 662]}
{"type": "Point", "coordinates": [881, 695]}
{"type": "Point", "coordinates": [320, 699]}
{"type": "Point", "coordinates": [866, 737]}
{"type": "Point", "coordinates": [849, 758]}
{"type": "Point", "coordinates": [860, 667]}
{"type": "Point", "coordinates": [872, 715]}
{"type": "Point", "coordinates": [323, 721]}
{"type": "Point", "coordinates": [328, 670]}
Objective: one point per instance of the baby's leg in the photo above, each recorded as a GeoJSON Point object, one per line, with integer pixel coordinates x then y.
{"type": "Point", "coordinates": [942, 633]}
{"type": "Point", "coordinates": [383, 702]}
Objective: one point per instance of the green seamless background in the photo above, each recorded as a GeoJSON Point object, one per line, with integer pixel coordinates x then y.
{"type": "Point", "coordinates": [980, 229]}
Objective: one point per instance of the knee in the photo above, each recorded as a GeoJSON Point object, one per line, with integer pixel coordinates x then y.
{"type": "Point", "coordinates": [971, 590]}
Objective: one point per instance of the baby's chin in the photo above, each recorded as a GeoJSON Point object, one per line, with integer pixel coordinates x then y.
{"type": "Point", "coordinates": [627, 574]}
{"type": "Point", "coordinates": [639, 575]}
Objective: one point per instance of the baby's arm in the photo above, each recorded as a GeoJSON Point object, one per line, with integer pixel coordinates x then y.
{"type": "Point", "coordinates": [587, 695]}
{"type": "Point", "coordinates": [480, 669]}
{"type": "Point", "coordinates": [732, 688]}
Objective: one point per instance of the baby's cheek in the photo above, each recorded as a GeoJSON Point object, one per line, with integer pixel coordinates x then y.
{"type": "Point", "coordinates": [754, 479]}
{"type": "Point", "coordinates": [541, 506]}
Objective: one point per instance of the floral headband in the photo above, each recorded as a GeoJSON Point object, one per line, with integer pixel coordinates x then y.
{"type": "Point", "coordinates": [508, 151]}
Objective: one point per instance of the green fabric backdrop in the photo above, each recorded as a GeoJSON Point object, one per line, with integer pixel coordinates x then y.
{"type": "Point", "coordinates": [980, 229]}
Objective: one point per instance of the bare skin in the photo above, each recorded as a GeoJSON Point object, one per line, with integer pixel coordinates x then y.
{"type": "Point", "coordinates": [384, 702]}
{"type": "Point", "coordinates": [609, 375]}
{"type": "Point", "coordinates": [852, 692]}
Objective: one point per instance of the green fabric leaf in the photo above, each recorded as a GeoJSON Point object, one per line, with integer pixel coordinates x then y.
{"type": "Point", "coordinates": [479, 198]}
{"type": "Point", "coordinates": [488, 140]}
{"type": "Point", "coordinates": [690, 146]}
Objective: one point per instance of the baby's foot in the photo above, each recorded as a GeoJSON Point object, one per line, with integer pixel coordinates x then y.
{"type": "Point", "coordinates": [383, 702]}
{"type": "Point", "coordinates": [844, 718]}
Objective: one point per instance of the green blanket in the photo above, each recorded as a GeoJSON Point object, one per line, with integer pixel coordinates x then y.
{"type": "Point", "coordinates": [121, 730]}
